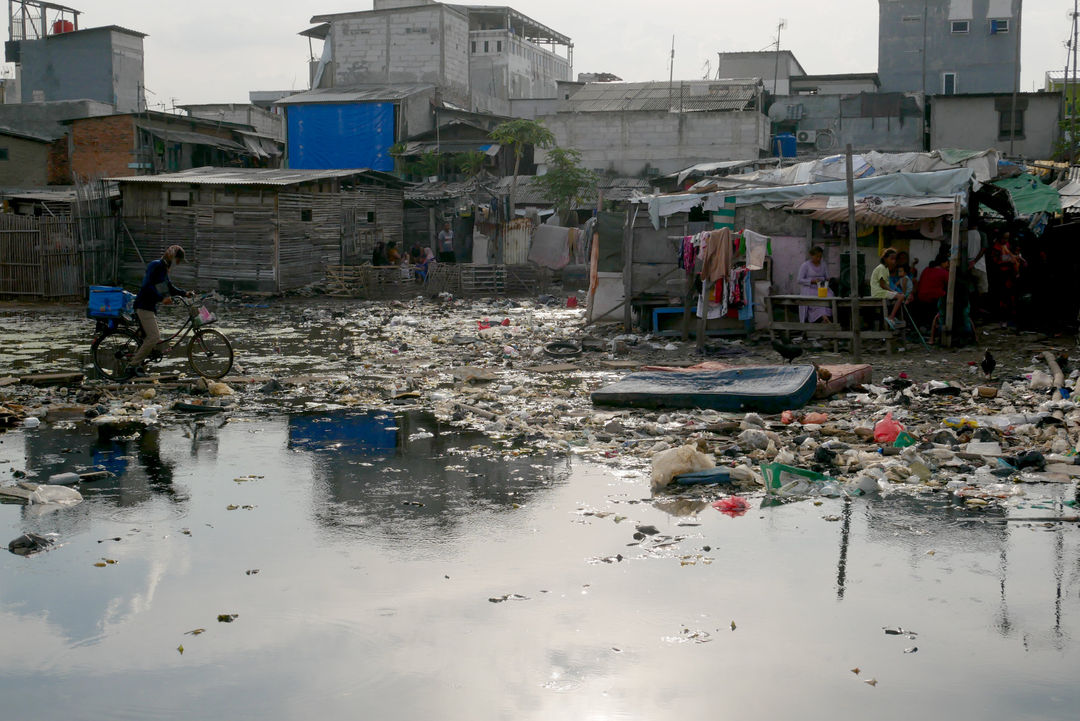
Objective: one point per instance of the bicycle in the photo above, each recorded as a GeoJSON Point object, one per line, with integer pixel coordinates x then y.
{"type": "Point", "coordinates": [209, 352]}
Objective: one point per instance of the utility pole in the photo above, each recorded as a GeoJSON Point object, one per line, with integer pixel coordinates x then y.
{"type": "Point", "coordinates": [853, 266]}
{"type": "Point", "coordinates": [1016, 80]}
{"type": "Point", "coordinates": [1072, 93]}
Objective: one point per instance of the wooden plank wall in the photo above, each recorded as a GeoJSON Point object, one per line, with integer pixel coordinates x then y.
{"type": "Point", "coordinates": [251, 238]}
{"type": "Point", "coordinates": [48, 257]}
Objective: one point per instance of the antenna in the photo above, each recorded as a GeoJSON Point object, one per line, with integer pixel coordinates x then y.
{"type": "Point", "coordinates": [671, 77]}
{"type": "Point", "coordinates": [708, 69]}
{"type": "Point", "coordinates": [776, 74]}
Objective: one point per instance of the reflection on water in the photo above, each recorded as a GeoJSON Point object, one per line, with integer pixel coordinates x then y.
{"type": "Point", "coordinates": [410, 476]}
{"type": "Point", "coordinates": [381, 539]}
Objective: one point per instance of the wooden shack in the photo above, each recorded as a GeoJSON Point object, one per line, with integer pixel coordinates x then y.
{"type": "Point", "coordinates": [254, 230]}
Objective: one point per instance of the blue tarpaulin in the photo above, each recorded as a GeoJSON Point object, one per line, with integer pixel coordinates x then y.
{"type": "Point", "coordinates": [341, 136]}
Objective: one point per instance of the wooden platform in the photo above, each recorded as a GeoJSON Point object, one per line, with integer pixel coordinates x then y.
{"type": "Point", "coordinates": [789, 305]}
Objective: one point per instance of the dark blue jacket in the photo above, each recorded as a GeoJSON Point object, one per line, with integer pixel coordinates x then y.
{"type": "Point", "coordinates": [156, 286]}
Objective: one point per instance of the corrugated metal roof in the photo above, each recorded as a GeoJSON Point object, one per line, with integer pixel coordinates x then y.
{"type": "Point", "coordinates": [28, 135]}
{"type": "Point", "coordinates": [191, 138]}
{"type": "Point", "coordinates": [357, 94]}
{"type": "Point", "coordinates": [684, 96]}
{"type": "Point", "coordinates": [258, 176]}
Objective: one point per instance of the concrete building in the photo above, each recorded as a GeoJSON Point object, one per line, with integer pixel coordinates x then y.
{"type": "Point", "coordinates": [1066, 87]}
{"type": "Point", "coordinates": [645, 129]}
{"type": "Point", "coordinates": [949, 47]}
{"type": "Point", "coordinates": [263, 121]}
{"type": "Point", "coordinates": [478, 57]}
{"type": "Point", "coordinates": [768, 65]}
{"type": "Point", "coordinates": [841, 84]}
{"type": "Point", "coordinates": [980, 121]}
{"type": "Point", "coordinates": [826, 123]}
{"type": "Point", "coordinates": [28, 160]}
{"type": "Point", "coordinates": [46, 119]}
{"type": "Point", "coordinates": [103, 64]}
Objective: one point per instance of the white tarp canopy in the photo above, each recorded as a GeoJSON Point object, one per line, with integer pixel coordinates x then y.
{"type": "Point", "coordinates": [898, 187]}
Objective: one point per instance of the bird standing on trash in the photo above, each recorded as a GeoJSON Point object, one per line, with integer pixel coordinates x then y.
{"type": "Point", "coordinates": [787, 352]}
{"type": "Point", "coordinates": [988, 364]}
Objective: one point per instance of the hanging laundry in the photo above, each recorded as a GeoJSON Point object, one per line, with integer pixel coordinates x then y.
{"type": "Point", "coordinates": [757, 248]}
{"type": "Point", "coordinates": [716, 257]}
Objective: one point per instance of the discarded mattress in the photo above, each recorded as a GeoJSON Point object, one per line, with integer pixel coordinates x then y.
{"type": "Point", "coordinates": [768, 389]}
{"type": "Point", "coordinates": [841, 378]}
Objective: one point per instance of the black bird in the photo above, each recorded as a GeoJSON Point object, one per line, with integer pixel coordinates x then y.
{"type": "Point", "coordinates": [787, 352]}
{"type": "Point", "coordinates": [988, 364]}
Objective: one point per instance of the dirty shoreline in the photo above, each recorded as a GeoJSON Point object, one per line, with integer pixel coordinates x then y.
{"type": "Point", "coordinates": [385, 490]}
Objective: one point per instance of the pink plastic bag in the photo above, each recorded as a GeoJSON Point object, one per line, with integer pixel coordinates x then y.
{"type": "Point", "coordinates": [787, 418]}
{"type": "Point", "coordinates": [887, 429]}
{"type": "Point", "coordinates": [815, 418]}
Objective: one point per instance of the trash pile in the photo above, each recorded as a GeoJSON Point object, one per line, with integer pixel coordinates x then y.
{"type": "Point", "coordinates": [522, 372]}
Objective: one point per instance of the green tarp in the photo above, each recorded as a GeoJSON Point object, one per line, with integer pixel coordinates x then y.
{"type": "Point", "coordinates": [1030, 196]}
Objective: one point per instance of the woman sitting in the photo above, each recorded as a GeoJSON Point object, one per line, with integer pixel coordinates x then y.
{"type": "Point", "coordinates": [813, 275]}
{"type": "Point", "coordinates": [879, 287]}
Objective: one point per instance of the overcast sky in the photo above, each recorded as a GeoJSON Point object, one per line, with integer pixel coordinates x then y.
{"type": "Point", "coordinates": [201, 51]}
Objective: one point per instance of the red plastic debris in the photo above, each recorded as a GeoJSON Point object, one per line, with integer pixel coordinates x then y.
{"type": "Point", "coordinates": [732, 506]}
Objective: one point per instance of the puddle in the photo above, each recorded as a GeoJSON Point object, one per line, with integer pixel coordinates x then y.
{"type": "Point", "coordinates": [364, 553]}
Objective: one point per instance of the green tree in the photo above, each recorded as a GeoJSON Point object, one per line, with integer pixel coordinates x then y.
{"type": "Point", "coordinates": [518, 134]}
{"type": "Point", "coordinates": [428, 164]}
{"type": "Point", "coordinates": [566, 183]}
{"type": "Point", "coordinates": [471, 163]}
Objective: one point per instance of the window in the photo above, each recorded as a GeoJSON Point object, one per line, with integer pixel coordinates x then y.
{"type": "Point", "coordinates": [371, 217]}
{"type": "Point", "coordinates": [999, 27]}
{"type": "Point", "coordinates": [487, 47]}
{"type": "Point", "coordinates": [1010, 117]}
{"type": "Point", "coordinates": [3, 153]}
{"type": "Point", "coordinates": [1011, 130]}
{"type": "Point", "coordinates": [960, 27]}
{"type": "Point", "coordinates": [305, 215]}
{"type": "Point", "coordinates": [498, 46]}
{"type": "Point", "coordinates": [474, 47]}
{"type": "Point", "coordinates": [948, 84]}
{"type": "Point", "coordinates": [179, 198]}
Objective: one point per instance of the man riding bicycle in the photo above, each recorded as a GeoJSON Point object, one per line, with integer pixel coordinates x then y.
{"type": "Point", "coordinates": [156, 287]}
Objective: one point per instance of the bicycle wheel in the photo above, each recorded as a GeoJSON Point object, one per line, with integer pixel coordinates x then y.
{"type": "Point", "coordinates": [210, 353]}
{"type": "Point", "coordinates": [112, 353]}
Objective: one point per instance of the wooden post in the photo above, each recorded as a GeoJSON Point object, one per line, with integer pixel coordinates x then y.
{"type": "Point", "coordinates": [853, 251]}
{"type": "Point", "coordinates": [954, 259]}
{"type": "Point", "coordinates": [703, 321]}
{"type": "Point", "coordinates": [628, 270]}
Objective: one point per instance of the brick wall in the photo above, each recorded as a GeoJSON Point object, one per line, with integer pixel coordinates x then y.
{"type": "Point", "coordinates": [58, 168]}
{"type": "Point", "coordinates": [103, 147]}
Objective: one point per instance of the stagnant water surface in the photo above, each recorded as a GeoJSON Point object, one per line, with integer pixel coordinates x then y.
{"type": "Point", "coordinates": [385, 546]}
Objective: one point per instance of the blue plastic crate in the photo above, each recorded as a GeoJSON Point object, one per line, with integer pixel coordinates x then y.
{"type": "Point", "coordinates": [108, 302]}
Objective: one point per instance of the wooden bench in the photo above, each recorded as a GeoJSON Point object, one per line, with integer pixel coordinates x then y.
{"type": "Point", "coordinates": [790, 304]}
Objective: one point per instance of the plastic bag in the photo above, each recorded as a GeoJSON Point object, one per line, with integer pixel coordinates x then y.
{"type": "Point", "coordinates": [677, 461]}
{"type": "Point", "coordinates": [886, 430]}
{"type": "Point", "coordinates": [732, 506]}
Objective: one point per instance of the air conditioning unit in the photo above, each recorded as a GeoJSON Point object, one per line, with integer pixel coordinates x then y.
{"type": "Point", "coordinates": [806, 136]}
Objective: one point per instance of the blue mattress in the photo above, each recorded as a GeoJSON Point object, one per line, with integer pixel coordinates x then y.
{"type": "Point", "coordinates": [767, 389]}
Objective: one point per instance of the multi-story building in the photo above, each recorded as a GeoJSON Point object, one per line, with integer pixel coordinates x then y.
{"type": "Point", "coordinates": [478, 57]}
{"type": "Point", "coordinates": [949, 47]}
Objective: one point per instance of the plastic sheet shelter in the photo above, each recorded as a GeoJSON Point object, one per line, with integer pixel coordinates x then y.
{"type": "Point", "coordinates": [1030, 195]}
{"type": "Point", "coordinates": [337, 136]}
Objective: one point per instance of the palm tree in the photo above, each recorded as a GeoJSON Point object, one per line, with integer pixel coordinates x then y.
{"type": "Point", "coordinates": [518, 134]}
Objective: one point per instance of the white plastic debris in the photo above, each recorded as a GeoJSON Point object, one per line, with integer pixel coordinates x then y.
{"type": "Point", "coordinates": [676, 461]}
